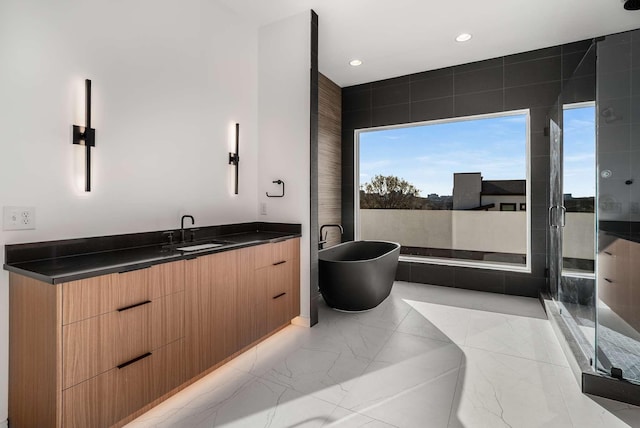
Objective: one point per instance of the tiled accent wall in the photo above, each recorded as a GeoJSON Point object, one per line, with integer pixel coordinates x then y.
{"type": "Point", "coordinates": [527, 80]}
{"type": "Point", "coordinates": [330, 158]}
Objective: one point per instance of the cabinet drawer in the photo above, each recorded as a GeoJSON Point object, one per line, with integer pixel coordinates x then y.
{"type": "Point", "coordinates": [166, 278]}
{"type": "Point", "coordinates": [278, 306]}
{"type": "Point", "coordinates": [277, 252]}
{"type": "Point", "coordinates": [167, 319]}
{"type": "Point", "coordinates": [89, 297]}
{"type": "Point", "coordinates": [279, 297]}
{"type": "Point", "coordinates": [98, 344]}
{"type": "Point", "coordinates": [614, 269]}
{"type": "Point", "coordinates": [110, 397]}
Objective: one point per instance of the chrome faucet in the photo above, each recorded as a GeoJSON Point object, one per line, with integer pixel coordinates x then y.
{"type": "Point", "coordinates": [323, 239]}
{"type": "Point", "coordinates": [182, 226]}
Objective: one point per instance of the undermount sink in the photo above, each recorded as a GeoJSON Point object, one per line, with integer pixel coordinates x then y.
{"type": "Point", "coordinates": [199, 247]}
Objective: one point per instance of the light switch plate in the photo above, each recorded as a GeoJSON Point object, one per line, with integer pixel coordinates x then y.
{"type": "Point", "coordinates": [19, 218]}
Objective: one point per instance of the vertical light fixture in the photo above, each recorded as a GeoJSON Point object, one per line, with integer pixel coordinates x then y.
{"type": "Point", "coordinates": [86, 136]}
{"type": "Point", "coordinates": [234, 158]}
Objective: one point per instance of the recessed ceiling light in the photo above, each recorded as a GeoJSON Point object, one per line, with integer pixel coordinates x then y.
{"type": "Point", "coordinates": [463, 37]}
{"type": "Point", "coordinates": [355, 62]}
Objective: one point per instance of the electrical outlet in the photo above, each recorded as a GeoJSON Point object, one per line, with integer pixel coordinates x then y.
{"type": "Point", "coordinates": [19, 218]}
{"type": "Point", "coordinates": [263, 208]}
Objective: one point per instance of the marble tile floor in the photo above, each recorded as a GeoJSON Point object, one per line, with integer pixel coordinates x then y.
{"type": "Point", "coordinates": [426, 357]}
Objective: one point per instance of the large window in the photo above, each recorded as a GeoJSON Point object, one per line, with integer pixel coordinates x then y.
{"type": "Point", "coordinates": [579, 188]}
{"type": "Point", "coordinates": [450, 191]}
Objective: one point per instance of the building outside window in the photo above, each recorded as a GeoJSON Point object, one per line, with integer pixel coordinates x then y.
{"type": "Point", "coordinates": [451, 191]}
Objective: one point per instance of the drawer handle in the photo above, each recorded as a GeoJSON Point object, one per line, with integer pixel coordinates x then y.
{"type": "Point", "coordinates": [608, 253]}
{"type": "Point", "coordinates": [608, 280]}
{"type": "Point", "coordinates": [279, 263]}
{"type": "Point", "coordinates": [134, 306]}
{"type": "Point", "coordinates": [279, 295]}
{"type": "Point", "coordinates": [136, 359]}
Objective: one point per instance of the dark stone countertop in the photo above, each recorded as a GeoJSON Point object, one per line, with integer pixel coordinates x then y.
{"type": "Point", "coordinates": [70, 260]}
{"type": "Point", "coordinates": [628, 230]}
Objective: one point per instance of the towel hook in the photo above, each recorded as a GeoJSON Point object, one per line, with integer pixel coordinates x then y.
{"type": "Point", "coordinates": [277, 196]}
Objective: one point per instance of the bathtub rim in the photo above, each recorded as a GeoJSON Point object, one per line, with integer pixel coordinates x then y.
{"type": "Point", "coordinates": [397, 247]}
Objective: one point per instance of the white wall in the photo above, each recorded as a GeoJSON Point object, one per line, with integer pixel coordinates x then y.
{"type": "Point", "coordinates": [461, 230]}
{"type": "Point", "coordinates": [499, 231]}
{"type": "Point", "coordinates": [284, 152]}
{"type": "Point", "coordinates": [412, 228]}
{"type": "Point", "coordinates": [170, 78]}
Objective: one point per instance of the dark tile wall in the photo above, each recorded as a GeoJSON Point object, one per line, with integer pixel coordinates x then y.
{"type": "Point", "coordinates": [618, 126]}
{"type": "Point", "coordinates": [531, 80]}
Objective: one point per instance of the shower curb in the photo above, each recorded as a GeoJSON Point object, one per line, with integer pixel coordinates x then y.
{"type": "Point", "coordinates": [590, 382]}
{"type": "Point", "coordinates": [578, 361]}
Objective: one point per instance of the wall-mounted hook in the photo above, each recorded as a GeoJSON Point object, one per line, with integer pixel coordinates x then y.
{"type": "Point", "coordinates": [277, 196]}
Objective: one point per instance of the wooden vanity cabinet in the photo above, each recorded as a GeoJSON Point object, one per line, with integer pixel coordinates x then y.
{"type": "Point", "coordinates": [619, 276]}
{"type": "Point", "coordinates": [210, 317]}
{"type": "Point", "coordinates": [96, 352]}
{"type": "Point", "coordinates": [123, 348]}
{"type": "Point", "coordinates": [235, 298]}
{"type": "Point", "coordinates": [113, 344]}
{"type": "Point", "coordinates": [277, 278]}
{"type": "Point", "coordinates": [249, 312]}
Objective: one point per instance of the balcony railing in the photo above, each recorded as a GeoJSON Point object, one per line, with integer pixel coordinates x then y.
{"type": "Point", "coordinates": [472, 231]}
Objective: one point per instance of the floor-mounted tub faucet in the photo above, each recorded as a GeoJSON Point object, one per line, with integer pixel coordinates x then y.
{"type": "Point", "coordinates": [182, 226]}
{"type": "Point", "coordinates": [323, 239]}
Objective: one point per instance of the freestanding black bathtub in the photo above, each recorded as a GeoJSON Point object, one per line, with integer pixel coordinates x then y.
{"type": "Point", "coordinates": [358, 275]}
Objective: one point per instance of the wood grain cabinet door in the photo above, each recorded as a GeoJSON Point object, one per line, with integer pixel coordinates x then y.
{"type": "Point", "coordinates": [279, 284]}
{"type": "Point", "coordinates": [98, 344]}
{"type": "Point", "coordinates": [112, 396]}
{"type": "Point", "coordinates": [614, 274]}
{"type": "Point", "coordinates": [278, 298]}
{"type": "Point", "coordinates": [248, 316]}
{"type": "Point", "coordinates": [166, 278]}
{"type": "Point", "coordinates": [210, 309]}
{"type": "Point", "coordinates": [90, 297]}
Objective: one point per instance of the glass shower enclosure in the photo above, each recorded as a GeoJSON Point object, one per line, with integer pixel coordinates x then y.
{"type": "Point", "coordinates": [594, 206]}
{"type": "Point", "coordinates": [618, 153]}
{"type": "Point", "coordinates": [572, 194]}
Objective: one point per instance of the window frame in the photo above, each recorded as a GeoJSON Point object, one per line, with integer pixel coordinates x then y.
{"type": "Point", "coordinates": [525, 268]}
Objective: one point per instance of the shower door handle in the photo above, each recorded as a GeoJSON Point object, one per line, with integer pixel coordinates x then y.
{"type": "Point", "coordinates": [562, 217]}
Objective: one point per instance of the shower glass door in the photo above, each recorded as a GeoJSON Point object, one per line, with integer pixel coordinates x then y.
{"type": "Point", "coordinates": [555, 210]}
{"type": "Point", "coordinates": [572, 175]}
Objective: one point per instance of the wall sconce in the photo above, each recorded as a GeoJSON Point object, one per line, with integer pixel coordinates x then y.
{"type": "Point", "coordinates": [86, 135]}
{"type": "Point", "coordinates": [234, 158]}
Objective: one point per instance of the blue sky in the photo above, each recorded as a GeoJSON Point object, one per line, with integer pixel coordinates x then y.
{"type": "Point", "coordinates": [579, 174]}
{"type": "Point", "coordinates": [428, 155]}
